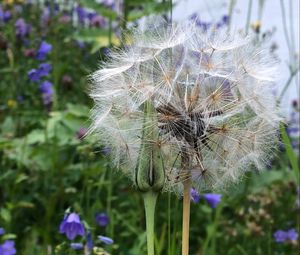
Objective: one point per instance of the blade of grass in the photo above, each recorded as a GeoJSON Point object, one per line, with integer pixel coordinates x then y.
{"type": "Point", "coordinates": [290, 153]}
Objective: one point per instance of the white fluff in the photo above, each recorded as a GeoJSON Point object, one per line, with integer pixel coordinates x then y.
{"type": "Point", "coordinates": [213, 97]}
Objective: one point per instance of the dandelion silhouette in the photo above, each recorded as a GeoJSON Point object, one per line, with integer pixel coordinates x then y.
{"type": "Point", "coordinates": [202, 102]}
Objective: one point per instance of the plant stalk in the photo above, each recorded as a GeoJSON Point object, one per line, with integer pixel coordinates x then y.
{"type": "Point", "coordinates": [150, 199]}
{"type": "Point", "coordinates": [186, 216]}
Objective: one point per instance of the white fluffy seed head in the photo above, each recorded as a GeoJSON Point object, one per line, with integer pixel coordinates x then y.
{"type": "Point", "coordinates": [213, 98]}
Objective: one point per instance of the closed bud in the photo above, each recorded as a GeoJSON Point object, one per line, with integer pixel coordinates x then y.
{"type": "Point", "coordinates": [149, 174]}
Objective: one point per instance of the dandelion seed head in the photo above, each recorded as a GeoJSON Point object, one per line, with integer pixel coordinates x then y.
{"type": "Point", "coordinates": [213, 101]}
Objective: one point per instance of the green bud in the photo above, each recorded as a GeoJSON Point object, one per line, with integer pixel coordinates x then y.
{"type": "Point", "coordinates": [150, 174]}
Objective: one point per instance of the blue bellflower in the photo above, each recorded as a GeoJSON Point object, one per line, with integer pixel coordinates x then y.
{"type": "Point", "coordinates": [195, 196]}
{"type": "Point", "coordinates": [76, 246]}
{"type": "Point", "coordinates": [102, 219]}
{"type": "Point", "coordinates": [2, 231]}
{"type": "Point", "coordinates": [72, 226]}
{"type": "Point", "coordinates": [106, 240]}
{"type": "Point", "coordinates": [43, 50]}
{"type": "Point", "coordinates": [212, 199]}
{"type": "Point", "coordinates": [280, 236]}
{"type": "Point", "coordinates": [8, 248]}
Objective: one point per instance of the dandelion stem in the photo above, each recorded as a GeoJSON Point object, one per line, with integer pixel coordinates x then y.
{"type": "Point", "coordinates": [186, 216]}
{"type": "Point", "coordinates": [150, 199]}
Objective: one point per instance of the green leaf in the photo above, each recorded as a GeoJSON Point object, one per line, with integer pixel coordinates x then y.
{"type": "Point", "coordinates": [290, 153]}
{"type": "Point", "coordinates": [36, 136]}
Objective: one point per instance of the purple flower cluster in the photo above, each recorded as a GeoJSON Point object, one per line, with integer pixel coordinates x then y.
{"type": "Point", "coordinates": [8, 247]}
{"type": "Point", "coordinates": [212, 199]}
{"type": "Point", "coordinates": [91, 18]}
{"type": "Point", "coordinates": [43, 70]}
{"type": "Point", "coordinates": [206, 25]}
{"type": "Point", "coordinates": [5, 15]}
{"type": "Point", "coordinates": [72, 227]}
{"type": "Point", "coordinates": [282, 236]}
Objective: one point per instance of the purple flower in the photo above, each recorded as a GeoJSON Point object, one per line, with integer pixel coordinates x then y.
{"type": "Point", "coordinates": [71, 226]}
{"type": "Point", "coordinates": [106, 240]}
{"type": "Point", "coordinates": [2, 231]}
{"type": "Point", "coordinates": [64, 19]}
{"type": "Point", "coordinates": [29, 53]}
{"type": "Point", "coordinates": [97, 21]}
{"type": "Point", "coordinates": [22, 29]}
{"type": "Point", "coordinates": [8, 248]}
{"type": "Point", "coordinates": [34, 75]}
{"type": "Point", "coordinates": [45, 19]}
{"type": "Point", "coordinates": [46, 87]}
{"type": "Point", "coordinates": [47, 92]}
{"type": "Point", "coordinates": [195, 197]}
{"type": "Point", "coordinates": [212, 199]}
{"type": "Point", "coordinates": [7, 16]}
{"type": "Point", "coordinates": [102, 219]}
{"type": "Point", "coordinates": [108, 3]}
{"type": "Point", "coordinates": [292, 235]}
{"type": "Point", "coordinates": [76, 246]}
{"type": "Point", "coordinates": [81, 13]}
{"type": "Point", "coordinates": [89, 241]}
{"type": "Point", "coordinates": [44, 69]}
{"type": "Point", "coordinates": [80, 134]}
{"type": "Point", "coordinates": [44, 49]}
{"type": "Point", "coordinates": [280, 236]}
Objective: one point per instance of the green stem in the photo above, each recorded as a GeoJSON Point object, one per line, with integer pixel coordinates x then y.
{"type": "Point", "coordinates": [150, 199]}
{"type": "Point", "coordinates": [248, 17]}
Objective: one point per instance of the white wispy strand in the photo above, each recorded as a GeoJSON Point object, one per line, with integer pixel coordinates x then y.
{"type": "Point", "coordinates": [213, 98]}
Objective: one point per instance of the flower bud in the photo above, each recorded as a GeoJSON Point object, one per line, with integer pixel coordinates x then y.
{"type": "Point", "coordinates": [149, 174]}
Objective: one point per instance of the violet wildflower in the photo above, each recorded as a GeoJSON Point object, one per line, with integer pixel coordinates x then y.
{"type": "Point", "coordinates": [7, 16]}
{"type": "Point", "coordinates": [45, 18]}
{"type": "Point", "coordinates": [106, 240]}
{"type": "Point", "coordinates": [8, 248]}
{"type": "Point", "coordinates": [80, 134]}
{"type": "Point", "coordinates": [292, 235]}
{"type": "Point", "coordinates": [34, 75]}
{"type": "Point", "coordinates": [29, 52]}
{"type": "Point", "coordinates": [76, 246]}
{"type": "Point", "coordinates": [89, 241]}
{"type": "Point", "coordinates": [44, 69]}
{"type": "Point", "coordinates": [97, 21]}
{"type": "Point", "coordinates": [212, 199]}
{"type": "Point", "coordinates": [22, 29]}
{"type": "Point", "coordinates": [81, 14]}
{"type": "Point", "coordinates": [195, 196]}
{"type": "Point", "coordinates": [64, 19]}
{"type": "Point", "coordinates": [43, 50]}
{"type": "Point", "coordinates": [47, 92]}
{"type": "Point", "coordinates": [71, 226]}
{"type": "Point", "coordinates": [280, 236]}
{"type": "Point", "coordinates": [108, 3]}
{"type": "Point", "coordinates": [2, 231]}
{"type": "Point", "coordinates": [67, 81]}
{"type": "Point", "coordinates": [102, 219]}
